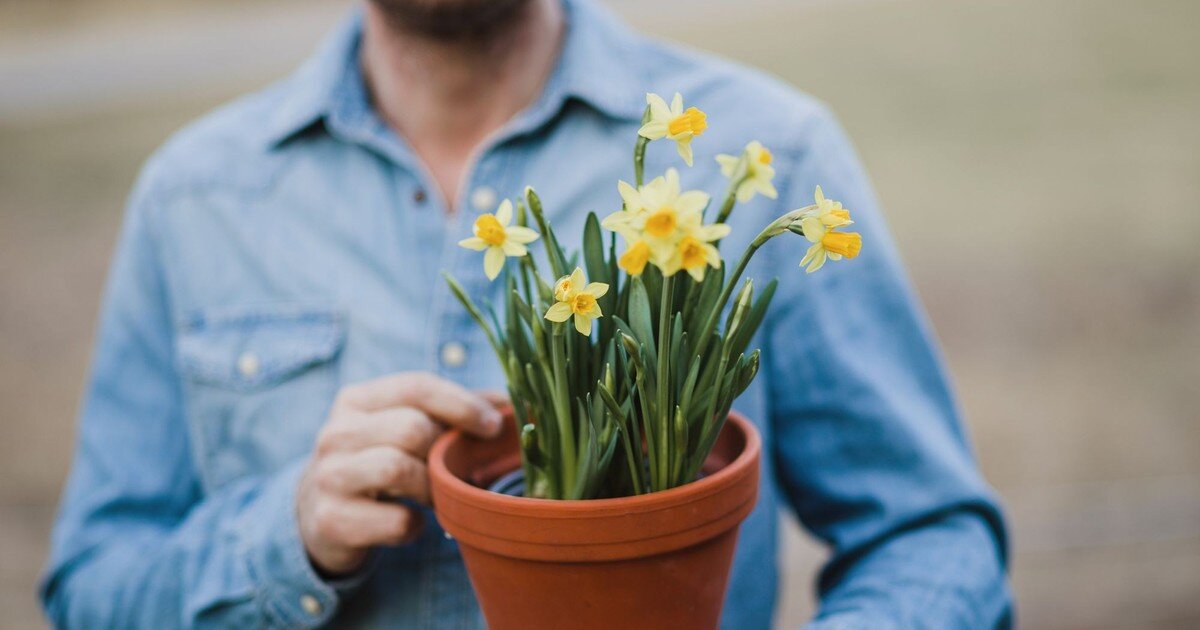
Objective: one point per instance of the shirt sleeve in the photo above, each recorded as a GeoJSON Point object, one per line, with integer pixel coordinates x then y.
{"type": "Point", "coordinates": [136, 543]}
{"type": "Point", "coordinates": [869, 448]}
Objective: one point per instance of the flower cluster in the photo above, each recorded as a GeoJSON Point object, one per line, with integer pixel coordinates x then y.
{"type": "Point", "coordinates": [664, 226]}
{"type": "Point", "coordinates": [632, 399]}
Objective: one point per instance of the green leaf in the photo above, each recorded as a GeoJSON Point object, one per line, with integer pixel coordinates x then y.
{"type": "Point", "coordinates": [640, 318]}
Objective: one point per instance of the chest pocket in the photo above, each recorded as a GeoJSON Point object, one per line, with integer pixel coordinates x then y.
{"type": "Point", "coordinates": [258, 383]}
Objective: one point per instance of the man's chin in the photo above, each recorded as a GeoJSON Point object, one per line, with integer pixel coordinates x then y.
{"type": "Point", "coordinates": [451, 19]}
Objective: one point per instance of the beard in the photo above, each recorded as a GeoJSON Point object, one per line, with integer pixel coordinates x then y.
{"type": "Point", "coordinates": [452, 19]}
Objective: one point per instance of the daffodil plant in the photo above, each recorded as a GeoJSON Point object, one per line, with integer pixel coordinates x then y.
{"type": "Point", "coordinates": [620, 371]}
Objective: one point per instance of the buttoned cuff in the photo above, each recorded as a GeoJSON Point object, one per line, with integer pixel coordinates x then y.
{"type": "Point", "coordinates": [287, 586]}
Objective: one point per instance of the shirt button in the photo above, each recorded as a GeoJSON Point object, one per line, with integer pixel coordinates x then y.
{"type": "Point", "coordinates": [484, 199]}
{"type": "Point", "coordinates": [310, 605]}
{"type": "Point", "coordinates": [247, 365]}
{"type": "Point", "coordinates": [419, 195]}
{"type": "Point", "coordinates": [454, 354]}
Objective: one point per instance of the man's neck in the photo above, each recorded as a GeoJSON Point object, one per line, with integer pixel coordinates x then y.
{"type": "Point", "coordinates": [445, 97]}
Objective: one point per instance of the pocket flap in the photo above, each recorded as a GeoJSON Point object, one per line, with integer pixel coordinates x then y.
{"type": "Point", "coordinates": [248, 348]}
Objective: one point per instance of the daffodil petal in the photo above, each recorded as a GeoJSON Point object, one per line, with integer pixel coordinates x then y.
{"type": "Point", "coordinates": [629, 195]}
{"type": "Point", "coordinates": [768, 190]}
{"type": "Point", "coordinates": [685, 150]}
{"type": "Point", "coordinates": [712, 256]}
{"type": "Point", "coordinates": [559, 312]}
{"type": "Point", "coordinates": [504, 213]}
{"type": "Point", "coordinates": [658, 106]}
{"type": "Point", "coordinates": [521, 234]}
{"type": "Point", "coordinates": [577, 278]}
{"type": "Point", "coordinates": [728, 164]}
{"type": "Point", "coordinates": [677, 104]}
{"type": "Point", "coordinates": [653, 130]}
{"type": "Point", "coordinates": [583, 324]}
{"type": "Point", "coordinates": [692, 200]}
{"type": "Point", "coordinates": [597, 289]}
{"type": "Point", "coordinates": [814, 230]}
{"type": "Point", "coordinates": [474, 243]}
{"type": "Point", "coordinates": [493, 262]}
{"type": "Point", "coordinates": [513, 248]}
{"type": "Point", "coordinates": [713, 232]}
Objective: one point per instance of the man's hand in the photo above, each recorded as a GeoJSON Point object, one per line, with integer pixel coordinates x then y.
{"type": "Point", "coordinates": [374, 447]}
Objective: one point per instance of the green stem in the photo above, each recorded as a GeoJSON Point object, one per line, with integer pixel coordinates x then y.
{"type": "Point", "coordinates": [639, 161]}
{"type": "Point", "coordinates": [711, 323]}
{"type": "Point", "coordinates": [639, 152]}
{"type": "Point", "coordinates": [730, 199]}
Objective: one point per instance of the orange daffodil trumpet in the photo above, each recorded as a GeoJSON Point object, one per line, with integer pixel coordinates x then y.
{"type": "Point", "coordinates": [633, 403]}
{"type": "Point", "coordinates": [500, 240]}
{"type": "Point", "coordinates": [576, 296]}
{"type": "Point", "coordinates": [673, 122]}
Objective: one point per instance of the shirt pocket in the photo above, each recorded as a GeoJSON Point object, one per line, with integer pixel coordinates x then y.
{"type": "Point", "coordinates": [258, 383]}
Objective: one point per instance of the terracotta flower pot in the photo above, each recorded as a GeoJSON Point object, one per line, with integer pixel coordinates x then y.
{"type": "Point", "coordinates": [659, 560]}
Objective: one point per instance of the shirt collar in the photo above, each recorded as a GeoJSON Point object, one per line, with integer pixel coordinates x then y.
{"type": "Point", "coordinates": [594, 67]}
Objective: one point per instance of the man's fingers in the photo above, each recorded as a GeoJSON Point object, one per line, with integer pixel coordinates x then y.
{"type": "Point", "coordinates": [360, 523]}
{"type": "Point", "coordinates": [378, 470]}
{"type": "Point", "coordinates": [495, 398]}
{"type": "Point", "coordinates": [406, 428]}
{"type": "Point", "coordinates": [443, 400]}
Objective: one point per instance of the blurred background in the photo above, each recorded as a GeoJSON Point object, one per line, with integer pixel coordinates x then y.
{"type": "Point", "coordinates": [1039, 160]}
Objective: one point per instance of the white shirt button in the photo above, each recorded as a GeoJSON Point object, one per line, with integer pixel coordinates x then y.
{"type": "Point", "coordinates": [311, 605]}
{"type": "Point", "coordinates": [484, 199]}
{"type": "Point", "coordinates": [454, 354]}
{"type": "Point", "coordinates": [247, 365]}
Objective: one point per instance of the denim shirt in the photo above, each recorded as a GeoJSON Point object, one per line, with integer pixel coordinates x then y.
{"type": "Point", "coordinates": [291, 243]}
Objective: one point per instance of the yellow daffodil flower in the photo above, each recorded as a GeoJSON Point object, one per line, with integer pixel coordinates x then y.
{"type": "Point", "coordinates": [753, 169]}
{"type": "Point", "coordinates": [500, 240]}
{"type": "Point", "coordinates": [668, 214]}
{"type": "Point", "coordinates": [830, 213]}
{"type": "Point", "coordinates": [575, 297]}
{"type": "Point", "coordinates": [674, 123]}
{"type": "Point", "coordinates": [694, 252]}
{"type": "Point", "coordinates": [827, 243]}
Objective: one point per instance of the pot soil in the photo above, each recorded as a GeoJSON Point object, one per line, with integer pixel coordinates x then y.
{"type": "Point", "coordinates": [658, 560]}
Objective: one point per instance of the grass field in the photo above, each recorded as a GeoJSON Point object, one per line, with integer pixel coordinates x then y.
{"type": "Point", "coordinates": [1039, 160]}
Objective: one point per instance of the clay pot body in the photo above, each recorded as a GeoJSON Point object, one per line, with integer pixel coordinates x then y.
{"type": "Point", "coordinates": [658, 560]}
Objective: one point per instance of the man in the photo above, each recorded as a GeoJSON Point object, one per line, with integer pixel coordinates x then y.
{"type": "Point", "coordinates": [277, 349]}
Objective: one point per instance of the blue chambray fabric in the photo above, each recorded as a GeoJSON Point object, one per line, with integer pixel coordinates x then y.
{"type": "Point", "coordinates": [290, 243]}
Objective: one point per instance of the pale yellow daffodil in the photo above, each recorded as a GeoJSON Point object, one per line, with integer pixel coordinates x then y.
{"type": "Point", "coordinates": [498, 239]}
{"type": "Point", "coordinates": [694, 253]}
{"type": "Point", "coordinates": [668, 213]}
{"type": "Point", "coordinates": [826, 243]}
{"type": "Point", "coordinates": [674, 123]}
{"type": "Point", "coordinates": [576, 297]}
{"type": "Point", "coordinates": [752, 169]}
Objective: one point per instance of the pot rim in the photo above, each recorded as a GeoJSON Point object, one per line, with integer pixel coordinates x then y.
{"type": "Point", "coordinates": [610, 529]}
{"type": "Point", "coordinates": [573, 508]}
